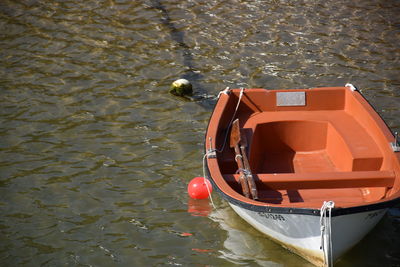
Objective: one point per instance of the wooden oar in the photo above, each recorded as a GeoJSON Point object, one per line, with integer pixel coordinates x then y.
{"type": "Point", "coordinates": [234, 143]}
{"type": "Point", "coordinates": [250, 179]}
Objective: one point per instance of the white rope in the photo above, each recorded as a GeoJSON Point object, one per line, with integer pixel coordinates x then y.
{"type": "Point", "coordinates": [326, 231]}
{"type": "Point", "coordinates": [226, 92]}
{"type": "Point", "coordinates": [204, 176]}
{"type": "Point", "coordinates": [230, 123]}
{"type": "Point", "coordinates": [351, 87]}
{"type": "Point", "coordinates": [211, 151]}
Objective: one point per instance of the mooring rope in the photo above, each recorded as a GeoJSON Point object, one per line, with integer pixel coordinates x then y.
{"type": "Point", "coordinates": [326, 229]}
{"type": "Point", "coordinates": [233, 117]}
{"type": "Point", "coordinates": [211, 151]}
{"type": "Point", "coordinates": [204, 176]}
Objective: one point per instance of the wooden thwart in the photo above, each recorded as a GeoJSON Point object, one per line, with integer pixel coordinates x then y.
{"type": "Point", "coordinates": [321, 180]}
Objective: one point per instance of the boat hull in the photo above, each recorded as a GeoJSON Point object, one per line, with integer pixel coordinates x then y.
{"type": "Point", "coordinates": [301, 233]}
{"type": "Point", "coordinates": [325, 166]}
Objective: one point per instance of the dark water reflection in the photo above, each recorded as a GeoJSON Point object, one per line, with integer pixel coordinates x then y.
{"type": "Point", "coordinates": [95, 154]}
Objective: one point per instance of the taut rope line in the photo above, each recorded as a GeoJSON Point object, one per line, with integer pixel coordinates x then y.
{"type": "Point", "coordinates": [212, 151]}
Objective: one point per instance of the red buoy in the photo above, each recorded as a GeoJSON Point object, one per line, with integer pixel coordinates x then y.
{"type": "Point", "coordinates": [197, 188]}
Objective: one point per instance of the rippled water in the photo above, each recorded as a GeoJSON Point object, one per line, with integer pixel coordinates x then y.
{"type": "Point", "coordinates": [95, 155]}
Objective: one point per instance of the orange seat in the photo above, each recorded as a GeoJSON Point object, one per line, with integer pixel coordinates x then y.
{"type": "Point", "coordinates": [315, 180]}
{"type": "Point", "coordinates": [347, 144]}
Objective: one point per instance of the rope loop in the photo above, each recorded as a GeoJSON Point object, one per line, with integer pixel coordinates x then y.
{"type": "Point", "coordinates": [245, 171]}
{"type": "Point", "coordinates": [226, 91]}
{"type": "Point", "coordinates": [241, 170]}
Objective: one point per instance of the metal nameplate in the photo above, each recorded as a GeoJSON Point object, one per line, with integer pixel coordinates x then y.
{"type": "Point", "coordinates": [288, 99]}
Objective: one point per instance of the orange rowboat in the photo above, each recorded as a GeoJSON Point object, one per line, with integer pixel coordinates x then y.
{"type": "Point", "coordinates": [318, 168]}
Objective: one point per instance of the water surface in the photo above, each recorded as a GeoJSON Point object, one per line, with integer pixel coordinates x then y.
{"type": "Point", "coordinates": [95, 155]}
